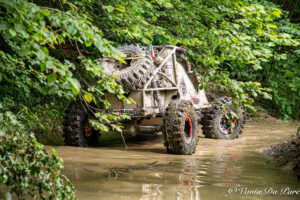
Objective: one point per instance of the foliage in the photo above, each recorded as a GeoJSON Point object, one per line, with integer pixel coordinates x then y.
{"type": "Point", "coordinates": [49, 52]}
{"type": "Point", "coordinates": [233, 43]}
{"type": "Point", "coordinates": [284, 75]}
{"type": "Point", "coordinates": [292, 6]}
{"type": "Point", "coordinates": [282, 72]}
{"type": "Point", "coordinates": [45, 121]}
{"type": "Point", "coordinates": [36, 175]}
{"type": "Point", "coordinates": [30, 68]}
{"type": "Point", "coordinates": [35, 68]}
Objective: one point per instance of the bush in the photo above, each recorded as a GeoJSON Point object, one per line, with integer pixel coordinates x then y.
{"type": "Point", "coordinates": [49, 49]}
{"type": "Point", "coordinates": [26, 168]}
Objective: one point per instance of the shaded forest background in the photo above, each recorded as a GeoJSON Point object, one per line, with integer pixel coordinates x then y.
{"type": "Point", "coordinates": [246, 49]}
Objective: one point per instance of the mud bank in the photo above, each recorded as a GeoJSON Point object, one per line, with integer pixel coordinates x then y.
{"type": "Point", "coordinates": [287, 154]}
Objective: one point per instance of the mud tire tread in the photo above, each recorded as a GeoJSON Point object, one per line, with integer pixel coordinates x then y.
{"type": "Point", "coordinates": [136, 75]}
{"type": "Point", "coordinates": [174, 123]}
{"type": "Point", "coordinates": [73, 130]}
{"type": "Point", "coordinates": [211, 115]}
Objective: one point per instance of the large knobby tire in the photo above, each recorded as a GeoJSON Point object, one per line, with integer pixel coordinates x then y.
{"type": "Point", "coordinates": [180, 128]}
{"type": "Point", "coordinates": [135, 73]}
{"type": "Point", "coordinates": [214, 123]}
{"type": "Point", "coordinates": [77, 131]}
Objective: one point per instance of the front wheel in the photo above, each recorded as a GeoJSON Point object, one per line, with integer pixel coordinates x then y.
{"type": "Point", "coordinates": [180, 128]}
{"type": "Point", "coordinates": [217, 123]}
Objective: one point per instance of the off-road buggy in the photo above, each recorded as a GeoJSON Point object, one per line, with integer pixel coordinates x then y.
{"type": "Point", "coordinates": [164, 88]}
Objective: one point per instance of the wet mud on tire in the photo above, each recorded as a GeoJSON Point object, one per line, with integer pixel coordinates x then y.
{"type": "Point", "coordinates": [180, 128]}
{"type": "Point", "coordinates": [135, 73]}
{"type": "Point", "coordinates": [214, 125]}
{"type": "Point", "coordinates": [77, 131]}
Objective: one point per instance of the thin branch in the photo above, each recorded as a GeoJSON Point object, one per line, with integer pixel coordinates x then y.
{"type": "Point", "coordinates": [123, 140]}
{"type": "Point", "coordinates": [58, 30]}
{"type": "Point", "coordinates": [78, 48]}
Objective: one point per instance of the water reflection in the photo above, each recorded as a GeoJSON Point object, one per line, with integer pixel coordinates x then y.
{"type": "Point", "coordinates": [146, 172]}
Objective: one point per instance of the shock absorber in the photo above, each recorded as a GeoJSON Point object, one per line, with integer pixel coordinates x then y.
{"type": "Point", "coordinates": [158, 97]}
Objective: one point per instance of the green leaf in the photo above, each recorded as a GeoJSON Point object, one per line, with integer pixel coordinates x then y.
{"type": "Point", "coordinates": [273, 26]}
{"type": "Point", "coordinates": [51, 77]}
{"type": "Point", "coordinates": [259, 32]}
{"type": "Point", "coordinates": [43, 67]}
{"type": "Point", "coordinates": [75, 85]}
{"type": "Point", "coordinates": [116, 127]}
{"type": "Point", "coordinates": [88, 43]}
{"type": "Point", "coordinates": [88, 97]}
{"type": "Point", "coordinates": [40, 55]}
{"type": "Point", "coordinates": [54, 152]}
{"type": "Point", "coordinates": [12, 32]}
{"type": "Point", "coordinates": [257, 67]}
{"type": "Point", "coordinates": [168, 5]}
{"type": "Point", "coordinates": [283, 56]}
{"type": "Point", "coordinates": [276, 13]}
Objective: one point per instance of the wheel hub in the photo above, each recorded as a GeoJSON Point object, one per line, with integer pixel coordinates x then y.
{"type": "Point", "coordinates": [188, 128]}
{"type": "Point", "coordinates": [87, 130]}
{"type": "Point", "coordinates": [226, 127]}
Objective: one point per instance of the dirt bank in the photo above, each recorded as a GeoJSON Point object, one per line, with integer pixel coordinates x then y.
{"type": "Point", "coordinates": [287, 154]}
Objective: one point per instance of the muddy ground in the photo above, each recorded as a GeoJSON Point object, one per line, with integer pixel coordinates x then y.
{"type": "Point", "coordinates": [287, 154]}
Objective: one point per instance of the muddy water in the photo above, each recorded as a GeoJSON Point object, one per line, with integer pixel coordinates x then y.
{"type": "Point", "coordinates": [220, 169]}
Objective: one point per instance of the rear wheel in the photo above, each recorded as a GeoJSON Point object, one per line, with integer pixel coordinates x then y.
{"type": "Point", "coordinates": [77, 130]}
{"type": "Point", "coordinates": [180, 128]}
{"type": "Point", "coordinates": [217, 123]}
